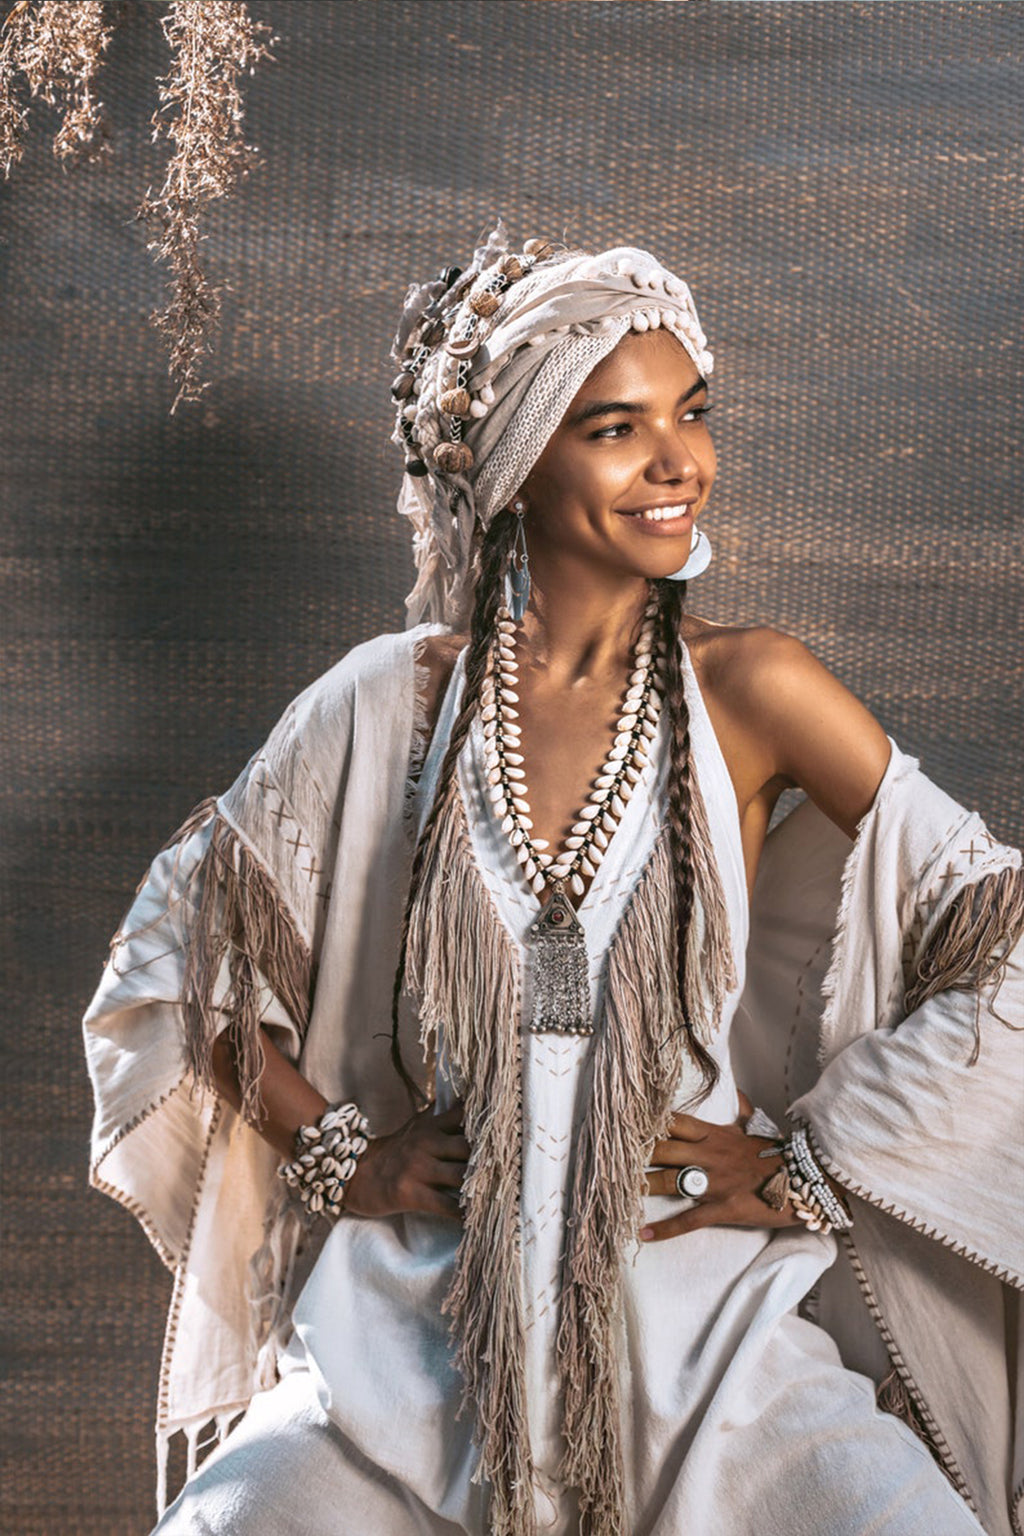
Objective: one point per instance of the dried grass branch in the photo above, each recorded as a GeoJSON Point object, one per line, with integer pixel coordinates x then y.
{"type": "Point", "coordinates": [57, 49]}
{"type": "Point", "coordinates": [212, 42]}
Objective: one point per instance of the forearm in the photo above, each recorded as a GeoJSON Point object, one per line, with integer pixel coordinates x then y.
{"type": "Point", "coordinates": [287, 1100]}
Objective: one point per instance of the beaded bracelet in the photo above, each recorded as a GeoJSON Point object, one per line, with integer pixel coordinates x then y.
{"type": "Point", "coordinates": [326, 1158]}
{"type": "Point", "coordinates": [807, 1178]}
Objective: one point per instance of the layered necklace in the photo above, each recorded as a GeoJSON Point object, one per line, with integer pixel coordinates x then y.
{"type": "Point", "coordinates": [561, 983]}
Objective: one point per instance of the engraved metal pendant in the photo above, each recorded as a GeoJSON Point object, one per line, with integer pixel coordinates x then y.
{"type": "Point", "coordinates": [561, 972]}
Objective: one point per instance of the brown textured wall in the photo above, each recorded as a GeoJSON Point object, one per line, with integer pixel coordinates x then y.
{"type": "Point", "coordinates": [841, 184]}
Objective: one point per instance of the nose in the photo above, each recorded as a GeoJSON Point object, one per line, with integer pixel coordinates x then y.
{"type": "Point", "coordinates": [672, 457]}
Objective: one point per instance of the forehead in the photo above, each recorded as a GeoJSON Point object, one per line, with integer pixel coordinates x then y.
{"type": "Point", "coordinates": [644, 362]}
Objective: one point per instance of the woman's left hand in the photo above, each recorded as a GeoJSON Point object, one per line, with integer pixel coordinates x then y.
{"type": "Point", "coordinates": [735, 1173]}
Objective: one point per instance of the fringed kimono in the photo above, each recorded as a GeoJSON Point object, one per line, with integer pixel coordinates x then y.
{"type": "Point", "coordinates": [882, 1004]}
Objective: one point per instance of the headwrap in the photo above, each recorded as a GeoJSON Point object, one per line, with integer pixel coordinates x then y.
{"type": "Point", "coordinates": [490, 359]}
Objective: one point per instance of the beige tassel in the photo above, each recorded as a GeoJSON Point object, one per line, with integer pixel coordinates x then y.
{"type": "Point", "coordinates": [240, 910]}
{"type": "Point", "coordinates": [971, 944]}
{"type": "Point", "coordinates": [893, 1396]}
{"type": "Point", "coordinates": [640, 1055]}
{"type": "Point", "coordinates": [465, 969]}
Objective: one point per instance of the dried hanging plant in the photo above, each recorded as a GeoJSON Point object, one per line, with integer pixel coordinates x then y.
{"type": "Point", "coordinates": [57, 49]}
{"type": "Point", "coordinates": [212, 42]}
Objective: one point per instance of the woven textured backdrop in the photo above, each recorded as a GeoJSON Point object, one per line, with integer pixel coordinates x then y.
{"type": "Point", "coordinates": [841, 185]}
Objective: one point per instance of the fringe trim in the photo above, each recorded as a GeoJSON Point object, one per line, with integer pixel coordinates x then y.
{"type": "Point", "coordinates": [634, 1080]}
{"type": "Point", "coordinates": [271, 1271]}
{"type": "Point", "coordinates": [892, 1396]}
{"type": "Point", "coordinates": [971, 945]}
{"type": "Point", "coordinates": [223, 1422]}
{"type": "Point", "coordinates": [240, 913]}
{"type": "Point", "coordinates": [464, 967]}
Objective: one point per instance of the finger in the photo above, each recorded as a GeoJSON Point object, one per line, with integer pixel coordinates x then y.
{"type": "Point", "coordinates": [442, 1202]}
{"type": "Point", "coordinates": [447, 1175]}
{"type": "Point", "coordinates": [450, 1118]}
{"type": "Point", "coordinates": [746, 1108]}
{"type": "Point", "coordinates": [708, 1214]}
{"type": "Point", "coordinates": [452, 1148]}
{"type": "Point", "coordinates": [663, 1182]}
{"type": "Point", "coordinates": [688, 1128]}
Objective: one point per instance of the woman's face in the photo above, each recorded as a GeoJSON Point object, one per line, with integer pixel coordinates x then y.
{"type": "Point", "coordinates": [629, 468]}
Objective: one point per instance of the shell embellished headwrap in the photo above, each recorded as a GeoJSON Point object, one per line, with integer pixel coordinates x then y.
{"type": "Point", "coordinates": [490, 359]}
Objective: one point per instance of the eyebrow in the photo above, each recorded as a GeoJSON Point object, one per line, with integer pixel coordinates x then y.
{"type": "Point", "coordinates": [631, 407]}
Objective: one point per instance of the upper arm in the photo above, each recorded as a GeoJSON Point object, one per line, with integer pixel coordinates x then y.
{"type": "Point", "coordinates": [800, 725]}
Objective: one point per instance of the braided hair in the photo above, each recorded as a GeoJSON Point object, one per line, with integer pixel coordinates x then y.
{"type": "Point", "coordinates": [495, 548]}
{"type": "Point", "coordinates": [680, 802]}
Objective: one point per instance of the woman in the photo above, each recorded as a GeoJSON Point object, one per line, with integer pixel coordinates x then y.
{"type": "Point", "coordinates": [529, 833]}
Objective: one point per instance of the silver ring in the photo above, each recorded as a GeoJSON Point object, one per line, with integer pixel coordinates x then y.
{"type": "Point", "coordinates": [692, 1182]}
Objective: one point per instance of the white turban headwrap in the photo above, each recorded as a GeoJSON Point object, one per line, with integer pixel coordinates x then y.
{"type": "Point", "coordinates": [550, 329]}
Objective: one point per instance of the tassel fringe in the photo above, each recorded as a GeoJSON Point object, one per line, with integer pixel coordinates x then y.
{"type": "Point", "coordinates": [241, 915]}
{"type": "Point", "coordinates": [971, 944]}
{"type": "Point", "coordinates": [892, 1396]}
{"type": "Point", "coordinates": [640, 1055]}
{"type": "Point", "coordinates": [464, 967]}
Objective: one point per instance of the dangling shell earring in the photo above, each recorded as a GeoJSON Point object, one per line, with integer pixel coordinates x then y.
{"type": "Point", "coordinates": [517, 576]}
{"type": "Point", "coordinates": [698, 559]}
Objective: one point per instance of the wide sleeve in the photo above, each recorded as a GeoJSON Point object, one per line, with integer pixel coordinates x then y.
{"type": "Point", "coordinates": [921, 1114]}
{"type": "Point", "coordinates": [884, 1007]}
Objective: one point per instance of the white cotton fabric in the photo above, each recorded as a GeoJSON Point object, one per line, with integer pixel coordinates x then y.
{"type": "Point", "coordinates": [741, 1415]}
{"type": "Point", "coordinates": [321, 806]}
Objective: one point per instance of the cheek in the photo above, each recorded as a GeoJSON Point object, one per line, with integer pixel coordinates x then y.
{"type": "Point", "coordinates": [708, 461]}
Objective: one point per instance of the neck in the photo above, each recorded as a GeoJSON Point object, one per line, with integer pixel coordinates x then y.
{"type": "Point", "coordinates": [575, 631]}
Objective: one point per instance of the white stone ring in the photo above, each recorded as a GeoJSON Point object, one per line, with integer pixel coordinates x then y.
{"type": "Point", "coordinates": [692, 1182]}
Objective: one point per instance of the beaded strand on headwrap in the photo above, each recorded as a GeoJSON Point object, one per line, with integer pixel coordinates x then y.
{"type": "Point", "coordinates": [462, 329]}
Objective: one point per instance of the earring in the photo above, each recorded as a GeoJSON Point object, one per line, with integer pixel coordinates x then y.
{"type": "Point", "coordinates": [517, 576]}
{"type": "Point", "coordinates": [698, 559]}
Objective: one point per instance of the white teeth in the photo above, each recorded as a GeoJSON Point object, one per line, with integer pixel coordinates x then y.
{"type": "Point", "coordinates": [663, 514]}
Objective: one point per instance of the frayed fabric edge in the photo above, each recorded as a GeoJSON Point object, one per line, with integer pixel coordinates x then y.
{"type": "Point", "coordinates": [463, 967]}
{"type": "Point", "coordinates": [971, 944]}
{"type": "Point", "coordinates": [240, 914]}
{"type": "Point", "coordinates": [223, 1421]}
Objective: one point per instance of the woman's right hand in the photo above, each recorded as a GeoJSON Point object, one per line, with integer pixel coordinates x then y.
{"type": "Point", "coordinates": [419, 1167]}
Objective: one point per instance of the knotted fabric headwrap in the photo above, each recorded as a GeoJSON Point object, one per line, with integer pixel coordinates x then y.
{"type": "Point", "coordinates": [491, 358]}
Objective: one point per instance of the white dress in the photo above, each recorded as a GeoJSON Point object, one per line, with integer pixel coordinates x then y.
{"type": "Point", "coordinates": [750, 1422]}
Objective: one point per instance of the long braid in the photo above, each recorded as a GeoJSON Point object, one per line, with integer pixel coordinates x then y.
{"type": "Point", "coordinates": [494, 552]}
{"type": "Point", "coordinates": [680, 801]}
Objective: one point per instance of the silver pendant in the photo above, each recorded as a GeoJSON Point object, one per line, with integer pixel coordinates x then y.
{"type": "Point", "coordinates": [561, 971]}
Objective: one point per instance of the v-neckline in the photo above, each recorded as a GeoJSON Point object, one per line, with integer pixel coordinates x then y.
{"type": "Point", "coordinates": [641, 791]}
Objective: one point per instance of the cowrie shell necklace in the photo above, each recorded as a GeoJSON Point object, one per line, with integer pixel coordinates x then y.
{"type": "Point", "coordinates": [591, 831]}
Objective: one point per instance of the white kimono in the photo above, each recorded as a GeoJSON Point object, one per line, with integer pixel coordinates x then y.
{"type": "Point", "coordinates": [322, 811]}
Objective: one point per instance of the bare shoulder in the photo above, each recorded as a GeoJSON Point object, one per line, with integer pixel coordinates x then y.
{"type": "Point", "coordinates": [746, 664]}
{"type": "Point", "coordinates": [788, 717]}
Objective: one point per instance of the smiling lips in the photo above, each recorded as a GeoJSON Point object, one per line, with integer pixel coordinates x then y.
{"type": "Point", "coordinates": [671, 514]}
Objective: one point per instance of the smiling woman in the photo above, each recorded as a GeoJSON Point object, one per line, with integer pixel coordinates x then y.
{"type": "Point", "coordinates": [527, 843]}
